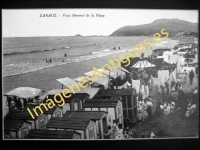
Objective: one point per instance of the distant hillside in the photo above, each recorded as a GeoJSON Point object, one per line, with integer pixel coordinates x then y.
{"type": "Point", "coordinates": [172, 26]}
{"type": "Point", "coordinates": [78, 35]}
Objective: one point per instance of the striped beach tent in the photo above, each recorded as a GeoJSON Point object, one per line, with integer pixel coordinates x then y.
{"type": "Point", "coordinates": [143, 64]}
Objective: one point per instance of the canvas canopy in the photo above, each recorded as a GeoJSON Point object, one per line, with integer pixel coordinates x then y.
{"type": "Point", "coordinates": [163, 75]}
{"type": "Point", "coordinates": [24, 92]}
{"type": "Point", "coordinates": [109, 73]}
{"type": "Point", "coordinates": [90, 91]}
{"type": "Point", "coordinates": [91, 73]}
{"type": "Point", "coordinates": [136, 85]}
{"type": "Point", "coordinates": [102, 81]}
{"type": "Point", "coordinates": [142, 64]}
{"type": "Point", "coordinates": [66, 81]}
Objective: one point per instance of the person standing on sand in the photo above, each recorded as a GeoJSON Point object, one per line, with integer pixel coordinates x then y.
{"type": "Point", "coordinates": [149, 108]}
{"type": "Point", "coordinates": [140, 106]}
{"type": "Point", "coordinates": [185, 76]}
{"type": "Point", "coordinates": [191, 76]}
{"type": "Point", "coordinates": [144, 110]}
{"type": "Point", "coordinates": [142, 55]}
{"type": "Point", "coordinates": [50, 60]}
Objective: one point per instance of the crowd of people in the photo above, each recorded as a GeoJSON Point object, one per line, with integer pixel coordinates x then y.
{"type": "Point", "coordinates": [188, 105]}
{"type": "Point", "coordinates": [14, 102]}
{"type": "Point", "coordinates": [145, 108]}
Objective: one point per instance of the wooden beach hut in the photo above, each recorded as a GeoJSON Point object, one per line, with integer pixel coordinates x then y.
{"type": "Point", "coordinates": [16, 128]}
{"type": "Point", "coordinates": [52, 134]}
{"type": "Point", "coordinates": [112, 106]}
{"type": "Point", "coordinates": [128, 98]}
{"type": "Point", "coordinates": [99, 117]}
{"type": "Point", "coordinates": [86, 127]}
{"type": "Point", "coordinates": [56, 111]}
{"type": "Point", "coordinates": [38, 122]}
{"type": "Point", "coordinates": [75, 102]}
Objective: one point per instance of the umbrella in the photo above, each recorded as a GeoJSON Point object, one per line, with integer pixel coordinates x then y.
{"type": "Point", "coordinates": [143, 64]}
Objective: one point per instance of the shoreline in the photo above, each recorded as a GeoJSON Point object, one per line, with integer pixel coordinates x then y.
{"type": "Point", "coordinates": [45, 79]}
{"type": "Point", "coordinates": [43, 74]}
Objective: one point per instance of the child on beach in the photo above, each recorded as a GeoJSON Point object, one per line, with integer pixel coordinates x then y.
{"type": "Point", "coordinates": [140, 106]}
{"type": "Point", "coordinates": [144, 110]}
{"type": "Point", "coordinates": [172, 106]}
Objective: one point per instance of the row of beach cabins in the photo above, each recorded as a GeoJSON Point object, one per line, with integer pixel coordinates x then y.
{"type": "Point", "coordinates": [87, 113]}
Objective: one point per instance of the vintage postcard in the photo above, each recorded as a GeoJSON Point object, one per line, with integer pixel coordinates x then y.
{"type": "Point", "coordinates": [112, 74]}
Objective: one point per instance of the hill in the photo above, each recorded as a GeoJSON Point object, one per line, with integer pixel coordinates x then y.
{"type": "Point", "coordinates": [78, 35]}
{"type": "Point", "coordinates": [172, 26]}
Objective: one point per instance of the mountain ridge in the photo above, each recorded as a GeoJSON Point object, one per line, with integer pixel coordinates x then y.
{"type": "Point", "coordinates": [172, 26]}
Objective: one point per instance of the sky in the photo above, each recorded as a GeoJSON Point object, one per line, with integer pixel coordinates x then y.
{"type": "Point", "coordinates": [28, 23]}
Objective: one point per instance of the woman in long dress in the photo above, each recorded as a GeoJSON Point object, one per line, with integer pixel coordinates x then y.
{"type": "Point", "coordinates": [144, 110]}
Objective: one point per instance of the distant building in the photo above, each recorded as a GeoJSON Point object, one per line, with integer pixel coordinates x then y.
{"type": "Point", "coordinates": [52, 134]}
{"type": "Point", "coordinates": [158, 52]}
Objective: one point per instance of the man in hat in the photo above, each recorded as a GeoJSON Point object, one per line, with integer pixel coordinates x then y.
{"type": "Point", "coordinates": [191, 76]}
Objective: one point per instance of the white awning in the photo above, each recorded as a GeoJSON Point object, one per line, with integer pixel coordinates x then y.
{"type": "Point", "coordinates": [91, 73]}
{"type": "Point", "coordinates": [109, 73]}
{"type": "Point", "coordinates": [90, 91]}
{"type": "Point", "coordinates": [66, 81]}
{"type": "Point", "coordinates": [143, 64]}
{"type": "Point", "coordinates": [24, 92]}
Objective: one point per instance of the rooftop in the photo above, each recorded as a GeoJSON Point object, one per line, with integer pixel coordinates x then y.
{"type": "Point", "coordinates": [50, 134]}
{"type": "Point", "coordinates": [100, 103]}
{"type": "Point", "coordinates": [87, 115]}
{"type": "Point", "coordinates": [90, 91]}
{"type": "Point", "coordinates": [66, 123]}
{"type": "Point", "coordinates": [18, 115]}
{"type": "Point", "coordinates": [12, 124]}
{"type": "Point", "coordinates": [117, 92]}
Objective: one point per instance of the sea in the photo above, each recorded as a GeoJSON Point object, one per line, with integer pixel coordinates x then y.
{"type": "Point", "coordinates": [27, 54]}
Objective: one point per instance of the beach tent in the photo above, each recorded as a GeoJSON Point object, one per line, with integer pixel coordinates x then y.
{"type": "Point", "coordinates": [102, 81]}
{"type": "Point", "coordinates": [142, 64]}
{"type": "Point", "coordinates": [136, 85]}
{"type": "Point", "coordinates": [24, 92]}
{"type": "Point", "coordinates": [163, 75]}
{"type": "Point", "coordinates": [90, 91]}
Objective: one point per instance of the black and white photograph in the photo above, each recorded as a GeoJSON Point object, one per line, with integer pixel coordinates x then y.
{"type": "Point", "coordinates": [100, 74]}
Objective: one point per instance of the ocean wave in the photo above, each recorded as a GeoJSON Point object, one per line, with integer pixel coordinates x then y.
{"type": "Point", "coordinates": [26, 67]}
{"type": "Point", "coordinates": [53, 49]}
